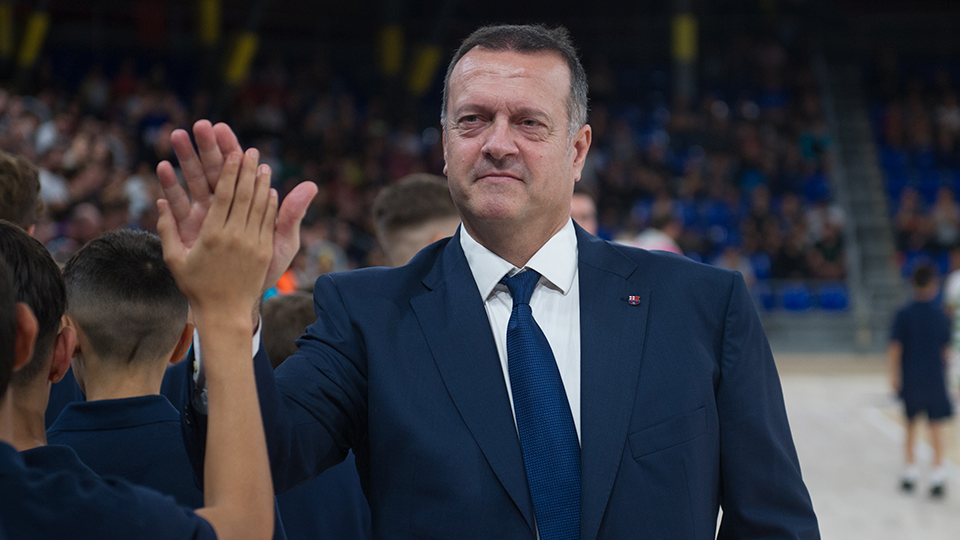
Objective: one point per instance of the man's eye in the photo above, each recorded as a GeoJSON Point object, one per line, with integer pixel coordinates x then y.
{"type": "Point", "coordinates": [530, 123]}
{"type": "Point", "coordinates": [469, 119]}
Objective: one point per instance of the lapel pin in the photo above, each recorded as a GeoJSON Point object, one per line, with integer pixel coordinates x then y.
{"type": "Point", "coordinates": [632, 300]}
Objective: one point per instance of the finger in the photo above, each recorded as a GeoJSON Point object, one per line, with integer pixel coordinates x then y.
{"type": "Point", "coordinates": [226, 139]}
{"type": "Point", "coordinates": [224, 195]}
{"type": "Point", "coordinates": [200, 190]}
{"type": "Point", "coordinates": [173, 191]}
{"type": "Point", "coordinates": [269, 223]}
{"type": "Point", "coordinates": [293, 208]}
{"type": "Point", "coordinates": [211, 158]}
{"type": "Point", "coordinates": [261, 196]}
{"type": "Point", "coordinates": [169, 236]}
{"type": "Point", "coordinates": [246, 183]}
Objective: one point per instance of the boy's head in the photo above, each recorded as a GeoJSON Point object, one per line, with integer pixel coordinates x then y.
{"type": "Point", "coordinates": [123, 299]}
{"type": "Point", "coordinates": [412, 214]}
{"type": "Point", "coordinates": [20, 200]}
{"type": "Point", "coordinates": [8, 328]}
{"type": "Point", "coordinates": [18, 329]}
{"type": "Point", "coordinates": [38, 283]}
{"type": "Point", "coordinates": [925, 284]}
{"type": "Point", "coordinates": [284, 320]}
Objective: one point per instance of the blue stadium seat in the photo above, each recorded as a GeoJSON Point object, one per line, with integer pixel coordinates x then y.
{"type": "Point", "coordinates": [796, 297]}
{"type": "Point", "coordinates": [930, 182]}
{"type": "Point", "coordinates": [761, 265]}
{"type": "Point", "coordinates": [764, 296]}
{"type": "Point", "coordinates": [893, 159]}
{"type": "Point", "coordinates": [834, 297]}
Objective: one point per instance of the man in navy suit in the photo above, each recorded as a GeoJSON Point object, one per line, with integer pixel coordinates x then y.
{"type": "Point", "coordinates": [667, 384]}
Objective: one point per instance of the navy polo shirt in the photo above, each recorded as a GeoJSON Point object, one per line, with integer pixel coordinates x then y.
{"type": "Point", "coordinates": [924, 331]}
{"type": "Point", "coordinates": [54, 457]}
{"type": "Point", "coordinates": [62, 500]}
{"type": "Point", "coordinates": [67, 391]}
{"type": "Point", "coordinates": [138, 439]}
{"type": "Point", "coordinates": [62, 394]}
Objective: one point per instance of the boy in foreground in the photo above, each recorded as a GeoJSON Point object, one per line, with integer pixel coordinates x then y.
{"type": "Point", "coordinates": [67, 502]}
{"type": "Point", "coordinates": [131, 323]}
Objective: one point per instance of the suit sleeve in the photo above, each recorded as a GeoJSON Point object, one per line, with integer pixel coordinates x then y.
{"type": "Point", "coordinates": [762, 492]}
{"type": "Point", "coordinates": [313, 405]}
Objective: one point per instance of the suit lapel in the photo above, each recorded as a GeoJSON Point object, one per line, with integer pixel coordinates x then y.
{"type": "Point", "coordinates": [611, 344]}
{"type": "Point", "coordinates": [457, 330]}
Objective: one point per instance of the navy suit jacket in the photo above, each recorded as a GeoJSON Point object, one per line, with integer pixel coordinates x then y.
{"type": "Point", "coordinates": [681, 410]}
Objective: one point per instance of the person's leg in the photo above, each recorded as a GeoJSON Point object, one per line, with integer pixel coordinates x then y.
{"type": "Point", "coordinates": [936, 441]}
{"type": "Point", "coordinates": [938, 476]}
{"type": "Point", "coordinates": [909, 478]}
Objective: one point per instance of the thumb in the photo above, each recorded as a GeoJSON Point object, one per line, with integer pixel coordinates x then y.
{"type": "Point", "coordinates": [294, 207]}
{"type": "Point", "coordinates": [173, 249]}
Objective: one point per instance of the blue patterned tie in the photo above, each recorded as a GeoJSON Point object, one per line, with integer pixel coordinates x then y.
{"type": "Point", "coordinates": [548, 438]}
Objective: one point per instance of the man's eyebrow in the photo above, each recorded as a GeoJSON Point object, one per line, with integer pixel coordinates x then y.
{"type": "Point", "coordinates": [531, 112]}
{"type": "Point", "coordinates": [526, 112]}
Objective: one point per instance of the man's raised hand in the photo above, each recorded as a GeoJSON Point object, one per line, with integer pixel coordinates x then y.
{"type": "Point", "coordinates": [202, 172]}
{"type": "Point", "coordinates": [222, 272]}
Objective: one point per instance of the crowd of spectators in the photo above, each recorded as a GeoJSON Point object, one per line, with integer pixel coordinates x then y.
{"type": "Point", "coordinates": [743, 170]}
{"type": "Point", "coordinates": [916, 117]}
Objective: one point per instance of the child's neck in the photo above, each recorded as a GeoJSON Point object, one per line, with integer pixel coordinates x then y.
{"type": "Point", "coordinates": [6, 418]}
{"type": "Point", "coordinates": [29, 410]}
{"type": "Point", "coordinates": [109, 382]}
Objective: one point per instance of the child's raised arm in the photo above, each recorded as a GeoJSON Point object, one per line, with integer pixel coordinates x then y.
{"type": "Point", "coordinates": [221, 275]}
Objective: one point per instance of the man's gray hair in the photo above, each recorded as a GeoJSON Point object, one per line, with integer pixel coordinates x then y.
{"type": "Point", "coordinates": [529, 39]}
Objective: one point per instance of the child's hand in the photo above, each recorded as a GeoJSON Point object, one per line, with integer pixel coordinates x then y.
{"type": "Point", "coordinates": [221, 274]}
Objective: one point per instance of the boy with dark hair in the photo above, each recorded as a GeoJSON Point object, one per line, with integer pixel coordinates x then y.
{"type": "Point", "coordinates": [20, 201]}
{"type": "Point", "coordinates": [131, 323]}
{"type": "Point", "coordinates": [65, 500]}
{"type": "Point", "coordinates": [411, 214]}
{"type": "Point", "coordinates": [38, 284]}
{"type": "Point", "coordinates": [918, 353]}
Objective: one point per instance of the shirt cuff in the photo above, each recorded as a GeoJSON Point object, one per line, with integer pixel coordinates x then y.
{"type": "Point", "coordinates": [199, 379]}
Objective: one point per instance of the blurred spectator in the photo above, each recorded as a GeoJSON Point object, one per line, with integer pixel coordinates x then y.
{"type": "Point", "coordinates": [946, 219]}
{"type": "Point", "coordinates": [584, 211]}
{"type": "Point", "coordinates": [412, 214]}
{"type": "Point", "coordinates": [20, 201]}
{"type": "Point", "coordinates": [661, 235]}
{"type": "Point", "coordinates": [911, 223]}
{"type": "Point", "coordinates": [732, 258]}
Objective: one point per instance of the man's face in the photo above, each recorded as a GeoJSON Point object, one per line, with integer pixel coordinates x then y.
{"type": "Point", "coordinates": [509, 157]}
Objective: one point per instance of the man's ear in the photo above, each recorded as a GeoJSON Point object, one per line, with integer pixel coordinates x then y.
{"type": "Point", "coordinates": [62, 352]}
{"type": "Point", "coordinates": [581, 145]}
{"type": "Point", "coordinates": [26, 336]}
{"type": "Point", "coordinates": [183, 344]}
{"type": "Point", "coordinates": [443, 141]}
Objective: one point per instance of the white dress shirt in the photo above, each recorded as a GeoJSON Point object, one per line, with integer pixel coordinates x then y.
{"type": "Point", "coordinates": [555, 303]}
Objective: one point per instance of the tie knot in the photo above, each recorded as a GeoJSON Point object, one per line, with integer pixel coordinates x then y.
{"type": "Point", "coordinates": [521, 286]}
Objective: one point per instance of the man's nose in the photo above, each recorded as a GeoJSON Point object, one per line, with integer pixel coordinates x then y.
{"type": "Point", "coordinates": [500, 141]}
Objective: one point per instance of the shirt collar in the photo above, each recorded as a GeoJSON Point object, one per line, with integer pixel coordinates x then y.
{"type": "Point", "coordinates": [556, 261]}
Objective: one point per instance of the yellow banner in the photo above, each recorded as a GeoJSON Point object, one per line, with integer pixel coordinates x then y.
{"type": "Point", "coordinates": [33, 38]}
{"type": "Point", "coordinates": [6, 30]}
{"type": "Point", "coordinates": [424, 69]}
{"type": "Point", "coordinates": [210, 14]}
{"type": "Point", "coordinates": [684, 38]}
{"type": "Point", "coordinates": [243, 54]}
{"type": "Point", "coordinates": [391, 50]}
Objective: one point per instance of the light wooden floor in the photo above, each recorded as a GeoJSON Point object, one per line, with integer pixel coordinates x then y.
{"type": "Point", "coordinates": [848, 431]}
